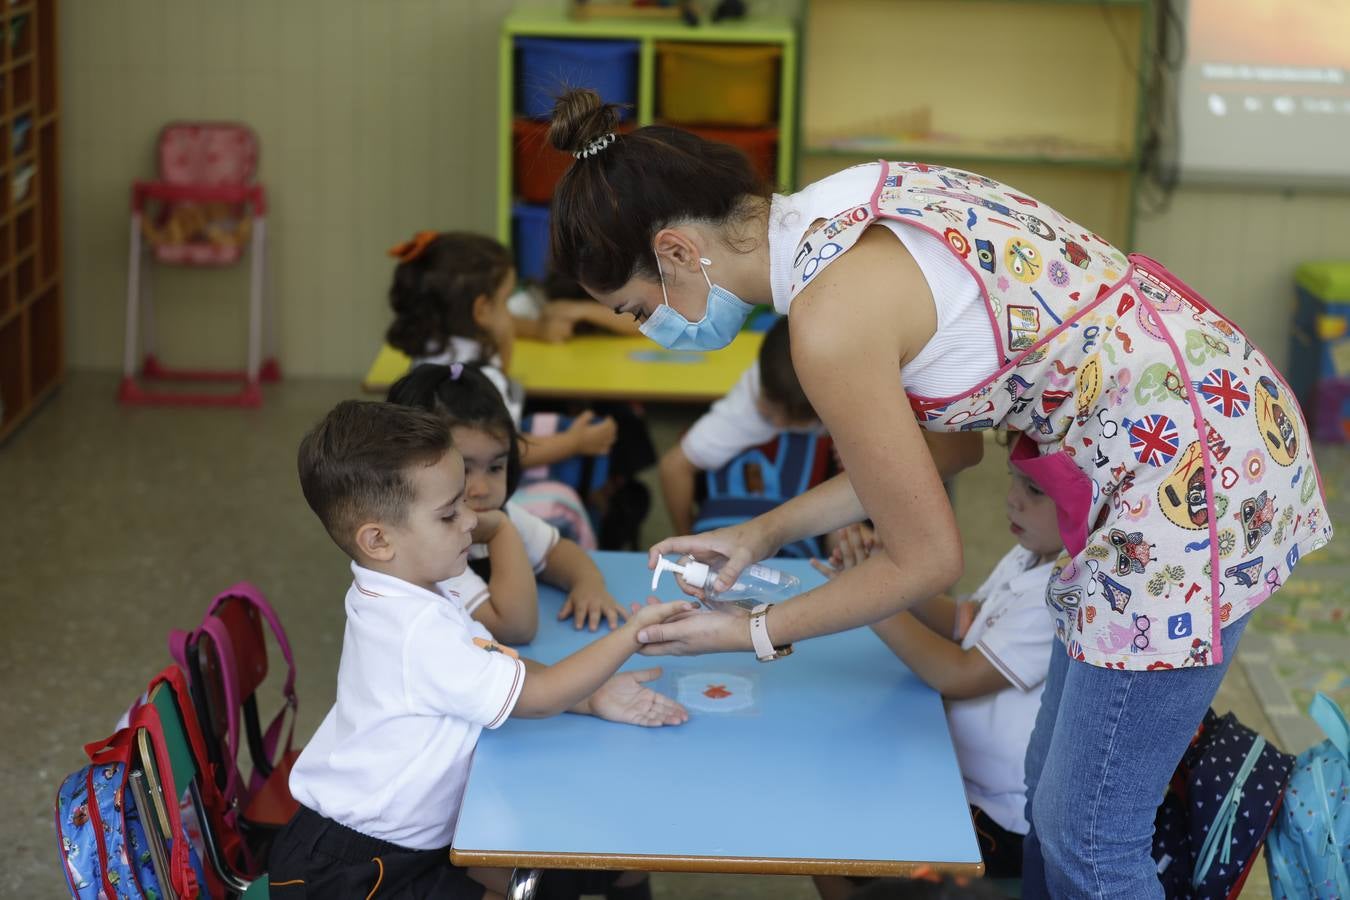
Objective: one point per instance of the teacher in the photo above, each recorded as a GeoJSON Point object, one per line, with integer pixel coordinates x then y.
{"type": "Point", "coordinates": [1178, 460]}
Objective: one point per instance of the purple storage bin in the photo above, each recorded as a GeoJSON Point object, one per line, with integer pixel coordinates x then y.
{"type": "Point", "coordinates": [1330, 411]}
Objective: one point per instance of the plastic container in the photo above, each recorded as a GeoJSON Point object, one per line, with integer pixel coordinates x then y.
{"type": "Point", "coordinates": [755, 585]}
{"type": "Point", "coordinates": [1329, 412]}
{"type": "Point", "coordinates": [760, 145]}
{"type": "Point", "coordinates": [548, 66]}
{"type": "Point", "coordinates": [1319, 348]}
{"type": "Point", "coordinates": [529, 238]}
{"type": "Point", "coordinates": [718, 84]}
{"type": "Point", "coordinates": [537, 166]}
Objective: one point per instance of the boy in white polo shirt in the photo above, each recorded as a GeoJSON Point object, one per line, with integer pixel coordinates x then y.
{"type": "Point", "coordinates": [381, 782]}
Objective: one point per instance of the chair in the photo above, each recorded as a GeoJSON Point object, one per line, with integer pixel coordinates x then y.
{"type": "Point", "coordinates": [228, 658]}
{"type": "Point", "coordinates": [201, 211]}
{"type": "Point", "coordinates": [183, 761]}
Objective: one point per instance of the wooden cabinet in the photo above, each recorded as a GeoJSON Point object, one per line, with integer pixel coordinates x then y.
{"type": "Point", "coordinates": [32, 325]}
{"type": "Point", "coordinates": [1046, 95]}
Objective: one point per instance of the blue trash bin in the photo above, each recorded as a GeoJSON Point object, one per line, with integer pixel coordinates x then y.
{"type": "Point", "coordinates": [548, 66]}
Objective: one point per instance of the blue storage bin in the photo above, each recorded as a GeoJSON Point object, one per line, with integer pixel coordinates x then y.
{"type": "Point", "coordinates": [1319, 341]}
{"type": "Point", "coordinates": [529, 238]}
{"type": "Point", "coordinates": [548, 66]}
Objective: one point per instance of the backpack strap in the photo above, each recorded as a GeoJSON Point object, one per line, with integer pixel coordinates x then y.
{"type": "Point", "coordinates": [254, 598]}
{"type": "Point", "coordinates": [1331, 720]}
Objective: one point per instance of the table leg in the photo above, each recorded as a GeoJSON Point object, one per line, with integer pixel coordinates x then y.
{"type": "Point", "coordinates": [523, 884]}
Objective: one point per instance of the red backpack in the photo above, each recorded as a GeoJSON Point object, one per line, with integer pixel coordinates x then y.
{"type": "Point", "coordinates": [225, 660]}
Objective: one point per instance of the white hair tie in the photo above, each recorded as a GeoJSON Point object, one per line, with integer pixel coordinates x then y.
{"type": "Point", "coordinates": [595, 146]}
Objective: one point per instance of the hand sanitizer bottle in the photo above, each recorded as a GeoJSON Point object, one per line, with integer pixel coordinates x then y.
{"type": "Point", "coordinates": [756, 584]}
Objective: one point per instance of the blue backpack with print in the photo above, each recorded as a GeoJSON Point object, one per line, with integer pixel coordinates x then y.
{"type": "Point", "coordinates": [106, 853]}
{"type": "Point", "coordinates": [1222, 800]}
{"type": "Point", "coordinates": [763, 477]}
{"type": "Point", "coordinates": [1308, 853]}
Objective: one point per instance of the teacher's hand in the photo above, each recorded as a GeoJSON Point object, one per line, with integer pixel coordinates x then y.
{"type": "Point", "coordinates": [732, 548]}
{"type": "Point", "coordinates": [695, 633]}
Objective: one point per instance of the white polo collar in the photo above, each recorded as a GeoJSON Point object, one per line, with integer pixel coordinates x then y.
{"type": "Point", "coordinates": [375, 585]}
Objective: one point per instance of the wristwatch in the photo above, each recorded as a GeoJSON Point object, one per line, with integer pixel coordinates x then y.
{"type": "Point", "coordinates": [765, 651]}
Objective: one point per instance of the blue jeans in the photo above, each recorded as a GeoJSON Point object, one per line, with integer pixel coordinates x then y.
{"type": "Point", "coordinates": [1105, 745]}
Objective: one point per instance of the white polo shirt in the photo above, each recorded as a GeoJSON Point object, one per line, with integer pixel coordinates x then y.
{"type": "Point", "coordinates": [539, 539]}
{"type": "Point", "coordinates": [392, 756]}
{"type": "Point", "coordinates": [733, 425]}
{"type": "Point", "coordinates": [1014, 631]}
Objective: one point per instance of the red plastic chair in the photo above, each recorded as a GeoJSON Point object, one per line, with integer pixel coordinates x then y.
{"type": "Point", "coordinates": [201, 211]}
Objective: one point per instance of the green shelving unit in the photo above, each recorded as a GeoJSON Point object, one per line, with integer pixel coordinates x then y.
{"type": "Point", "coordinates": [554, 22]}
{"type": "Point", "coordinates": [1046, 95]}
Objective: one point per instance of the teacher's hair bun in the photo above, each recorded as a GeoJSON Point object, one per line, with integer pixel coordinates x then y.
{"type": "Point", "coordinates": [580, 118]}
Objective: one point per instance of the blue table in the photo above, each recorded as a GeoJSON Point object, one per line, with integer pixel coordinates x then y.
{"type": "Point", "coordinates": [845, 766]}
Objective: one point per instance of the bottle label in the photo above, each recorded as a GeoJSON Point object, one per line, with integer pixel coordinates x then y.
{"type": "Point", "coordinates": [763, 573]}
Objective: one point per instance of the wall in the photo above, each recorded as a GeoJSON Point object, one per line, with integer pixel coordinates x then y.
{"type": "Point", "coordinates": [376, 119]}
{"type": "Point", "coordinates": [1239, 247]}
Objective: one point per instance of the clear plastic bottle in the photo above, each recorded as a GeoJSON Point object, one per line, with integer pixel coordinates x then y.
{"type": "Point", "coordinates": [756, 584]}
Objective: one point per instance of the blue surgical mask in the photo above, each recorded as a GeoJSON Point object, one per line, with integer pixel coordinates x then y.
{"type": "Point", "coordinates": [724, 317]}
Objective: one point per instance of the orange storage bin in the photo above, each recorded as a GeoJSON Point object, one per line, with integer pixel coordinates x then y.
{"type": "Point", "coordinates": [538, 167]}
{"type": "Point", "coordinates": [718, 84]}
{"type": "Point", "coordinates": [759, 144]}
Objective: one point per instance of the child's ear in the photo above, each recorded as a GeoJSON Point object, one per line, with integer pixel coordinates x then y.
{"type": "Point", "coordinates": [484, 311]}
{"type": "Point", "coordinates": [372, 540]}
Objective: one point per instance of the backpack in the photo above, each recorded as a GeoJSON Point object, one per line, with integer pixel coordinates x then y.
{"type": "Point", "coordinates": [1222, 800]}
{"type": "Point", "coordinates": [225, 660]}
{"type": "Point", "coordinates": [1308, 854]}
{"type": "Point", "coordinates": [763, 477]}
{"type": "Point", "coordinates": [103, 811]}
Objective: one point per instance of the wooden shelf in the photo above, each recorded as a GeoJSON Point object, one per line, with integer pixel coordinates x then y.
{"type": "Point", "coordinates": [32, 316]}
{"type": "Point", "coordinates": [1006, 152]}
{"type": "Point", "coordinates": [1074, 144]}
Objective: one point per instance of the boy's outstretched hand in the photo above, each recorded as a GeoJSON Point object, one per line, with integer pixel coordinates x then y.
{"type": "Point", "coordinates": [625, 698]}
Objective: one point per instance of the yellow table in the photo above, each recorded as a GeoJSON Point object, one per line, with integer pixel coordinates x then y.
{"type": "Point", "coordinates": [605, 367]}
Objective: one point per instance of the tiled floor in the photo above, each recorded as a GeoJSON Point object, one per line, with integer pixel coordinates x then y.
{"type": "Point", "coordinates": [119, 524]}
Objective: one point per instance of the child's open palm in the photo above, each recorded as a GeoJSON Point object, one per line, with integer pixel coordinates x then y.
{"type": "Point", "coordinates": [626, 698]}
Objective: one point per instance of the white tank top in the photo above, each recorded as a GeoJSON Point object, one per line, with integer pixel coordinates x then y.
{"type": "Point", "coordinates": [961, 352]}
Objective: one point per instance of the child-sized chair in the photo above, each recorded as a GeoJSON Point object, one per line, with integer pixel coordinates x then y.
{"type": "Point", "coordinates": [207, 207]}
{"type": "Point", "coordinates": [177, 726]}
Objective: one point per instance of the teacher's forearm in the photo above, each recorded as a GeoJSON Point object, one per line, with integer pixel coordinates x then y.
{"type": "Point", "coordinates": [866, 594]}
{"type": "Point", "coordinates": [827, 506]}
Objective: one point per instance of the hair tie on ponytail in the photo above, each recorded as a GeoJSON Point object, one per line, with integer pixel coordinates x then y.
{"type": "Point", "coordinates": [410, 250]}
{"type": "Point", "coordinates": [595, 146]}
{"type": "Point", "coordinates": [456, 369]}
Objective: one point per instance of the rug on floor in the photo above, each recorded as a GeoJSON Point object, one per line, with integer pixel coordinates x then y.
{"type": "Point", "coordinates": [1299, 641]}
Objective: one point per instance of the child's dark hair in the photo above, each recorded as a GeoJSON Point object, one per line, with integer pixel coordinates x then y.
{"type": "Point", "coordinates": [777, 377]}
{"type": "Point", "coordinates": [354, 464]}
{"type": "Point", "coordinates": [433, 293]}
{"type": "Point", "coordinates": [610, 203]}
{"type": "Point", "coordinates": [463, 396]}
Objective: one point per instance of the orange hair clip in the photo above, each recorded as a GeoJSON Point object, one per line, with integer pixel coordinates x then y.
{"type": "Point", "coordinates": [410, 250]}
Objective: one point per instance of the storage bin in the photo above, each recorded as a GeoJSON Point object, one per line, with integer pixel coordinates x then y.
{"type": "Point", "coordinates": [537, 167]}
{"type": "Point", "coordinates": [1329, 412]}
{"type": "Point", "coordinates": [718, 84]}
{"type": "Point", "coordinates": [760, 145]}
{"type": "Point", "coordinates": [529, 239]}
{"type": "Point", "coordinates": [1319, 341]}
{"type": "Point", "coordinates": [548, 66]}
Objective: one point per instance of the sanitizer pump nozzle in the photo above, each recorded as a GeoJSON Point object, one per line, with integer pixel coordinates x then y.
{"type": "Point", "coordinates": [755, 585]}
